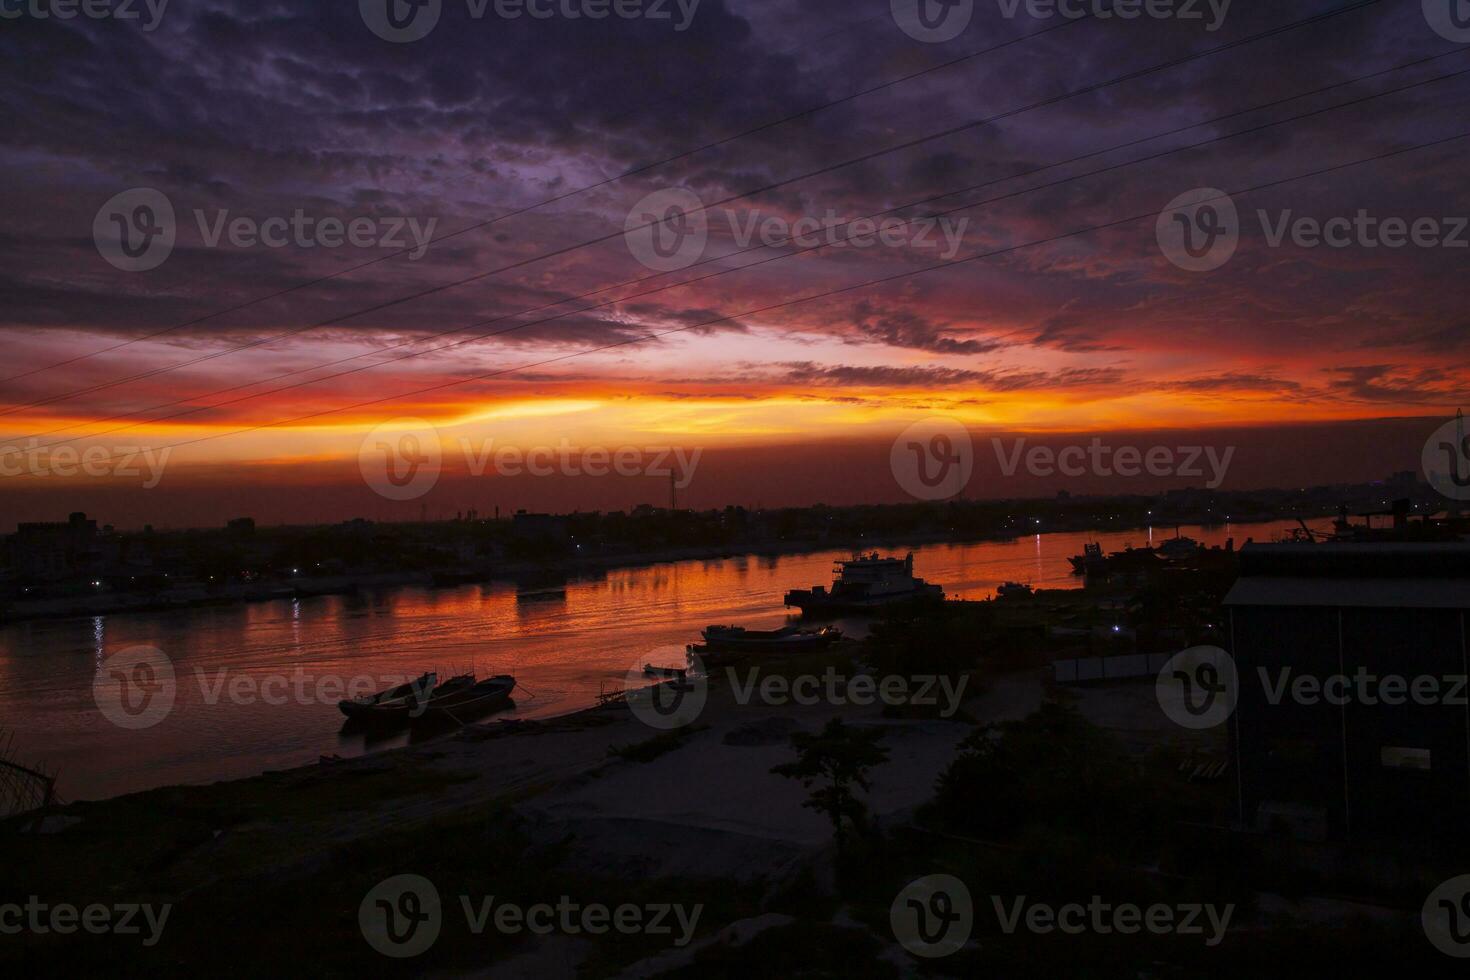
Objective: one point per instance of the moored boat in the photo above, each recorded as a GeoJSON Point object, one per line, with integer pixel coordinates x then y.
{"type": "Point", "coordinates": [726, 639]}
{"type": "Point", "coordinates": [414, 689]}
{"type": "Point", "coordinates": [458, 699]}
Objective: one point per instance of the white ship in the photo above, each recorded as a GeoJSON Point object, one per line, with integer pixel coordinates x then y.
{"type": "Point", "coordinates": [866, 582]}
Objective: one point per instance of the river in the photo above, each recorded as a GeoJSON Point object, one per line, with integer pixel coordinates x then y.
{"type": "Point", "coordinates": [256, 684]}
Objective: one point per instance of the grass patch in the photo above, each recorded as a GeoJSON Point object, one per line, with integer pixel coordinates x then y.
{"type": "Point", "coordinates": [651, 748]}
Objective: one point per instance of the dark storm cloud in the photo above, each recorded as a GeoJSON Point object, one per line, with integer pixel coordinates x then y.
{"type": "Point", "coordinates": [912, 330]}
{"type": "Point", "coordinates": [807, 372]}
{"type": "Point", "coordinates": [264, 107]}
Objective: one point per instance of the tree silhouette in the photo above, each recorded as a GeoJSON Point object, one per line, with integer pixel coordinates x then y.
{"type": "Point", "coordinates": [840, 757]}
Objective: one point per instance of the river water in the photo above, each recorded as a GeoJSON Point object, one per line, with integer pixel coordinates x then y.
{"type": "Point", "coordinates": [235, 666]}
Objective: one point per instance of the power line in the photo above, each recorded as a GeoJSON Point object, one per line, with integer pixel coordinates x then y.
{"type": "Point", "coordinates": [644, 168]}
{"type": "Point", "coordinates": [622, 299]}
{"type": "Point", "coordinates": [796, 302]}
{"type": "Point", "coordinates": [909, 144]}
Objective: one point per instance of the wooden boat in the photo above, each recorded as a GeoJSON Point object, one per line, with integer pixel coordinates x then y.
{"type": "Point", "coordinates": [362, 706]}
{"type": "Point", "coordinates": [472, 699]}
{"type": "Point", "coordinates": [457, 699]}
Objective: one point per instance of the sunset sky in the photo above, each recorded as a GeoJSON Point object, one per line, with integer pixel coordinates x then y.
{"type": "Point", "coordinates": [260, 109]}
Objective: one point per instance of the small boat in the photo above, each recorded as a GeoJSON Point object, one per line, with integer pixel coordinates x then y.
{"type": "Point", "coordinates": [362, 706]}
{"type": "Point", "coordinates": [457, 699]}
{"type": "Point", "coordinates": [736, 638]}
{"type": "Point", "coordinates": [1013, 589]}
{"type": "Point", "coordinates": [653, 671]}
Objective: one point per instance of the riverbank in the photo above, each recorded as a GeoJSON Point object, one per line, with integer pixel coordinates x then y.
{"type": "Point", "coordinates": [596, 805]}
{"type": "Point", "coordinates": [303, 871]}
{"type": "Point", "coordinates": [196, 595]}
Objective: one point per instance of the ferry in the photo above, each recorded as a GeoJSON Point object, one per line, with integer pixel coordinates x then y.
{"type": "Point", "coordinates": [865, 583]}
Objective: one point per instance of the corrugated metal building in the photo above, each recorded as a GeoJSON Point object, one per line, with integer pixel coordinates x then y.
{"type": "Point", "coordinates": [1353, 713]}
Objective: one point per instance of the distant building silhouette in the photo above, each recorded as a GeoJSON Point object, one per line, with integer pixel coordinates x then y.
{"type": "Point", "coordinates": [51, 551]}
